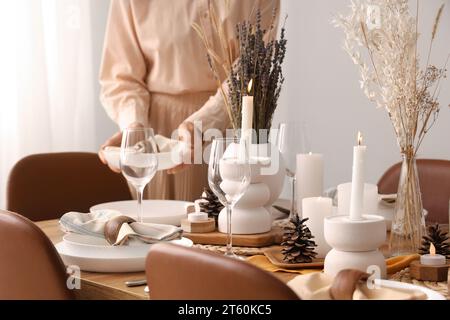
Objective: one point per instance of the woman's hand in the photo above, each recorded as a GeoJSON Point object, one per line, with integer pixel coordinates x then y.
{"type": "Point", "coordinates": [114, 141]}
{"type": "Point", "coordinates": [186, 132]}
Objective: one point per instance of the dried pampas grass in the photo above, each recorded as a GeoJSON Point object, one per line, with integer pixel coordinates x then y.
{"type": "Point", "coordinates": [392, 76]}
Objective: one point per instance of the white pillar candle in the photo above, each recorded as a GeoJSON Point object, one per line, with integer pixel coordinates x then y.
{"type": "Point", "coordinates": [370, 201]}
{"type": "Point", "coordinates": [316, 209]}
{"type": "Point", "coordinates": [357, 194]}
{"type": "Point", "coordinates": [197, 216]}
{"type": "Point", "coordinates": [309, 177]}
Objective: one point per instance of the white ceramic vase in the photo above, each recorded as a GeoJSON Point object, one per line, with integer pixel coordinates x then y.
{"type": "Point", "coordinates": [251, 214]}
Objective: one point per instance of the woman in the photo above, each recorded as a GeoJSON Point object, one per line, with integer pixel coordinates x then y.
{"type": "Point", "coordinates": [154, 73]}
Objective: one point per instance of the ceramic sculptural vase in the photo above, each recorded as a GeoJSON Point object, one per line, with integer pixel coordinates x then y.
{"type": "Point", "coordinates": [251, 214]}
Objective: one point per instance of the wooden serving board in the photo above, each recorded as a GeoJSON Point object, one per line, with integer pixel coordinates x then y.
{"type": "Point", "coordinates": [240, 240]}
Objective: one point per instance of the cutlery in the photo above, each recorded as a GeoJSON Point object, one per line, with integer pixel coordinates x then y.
{"type": "Point", "coordinates": [136, 283]}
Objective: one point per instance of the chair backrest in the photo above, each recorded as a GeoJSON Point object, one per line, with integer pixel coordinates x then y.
{"type": "Point", "coordinates": [45, 186]}
{"type": "Point", "coordinates": [30, 267]}
{"type": "Point", "coordinates": [180, 273]}
{"type": "Point", "coordinates": [434, 178]}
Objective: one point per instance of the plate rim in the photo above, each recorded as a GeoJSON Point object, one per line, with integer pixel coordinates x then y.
{"type": "Point", "coordinates": [62, 245]}
{"type": "Point", "coordinates": [74, 234]}
{"type": "Point", "coordinates": [144, 201]}
{"type": "Point", "coordinates": [431, 294]}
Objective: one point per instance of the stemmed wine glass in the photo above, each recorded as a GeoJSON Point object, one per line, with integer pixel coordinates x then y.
{"type": "Point", "coordinates": [229, 176]}
{"type": "Point", "coordinates": [138, 160]}
{"type": "Point", "coordinates": [292, 139]}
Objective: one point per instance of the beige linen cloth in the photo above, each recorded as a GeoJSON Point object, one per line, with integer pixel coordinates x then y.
{"type": "Point", "coordinates": [316, 286]}
{"type": "Point", "coordinates": [154, 70]}
{"type": "Point", "coordinates": [93, 224]}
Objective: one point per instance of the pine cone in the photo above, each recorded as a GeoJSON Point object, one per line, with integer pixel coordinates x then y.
{"type": "Point", "coordinates": [297, 244]}
{"type": "Point", "coordinates": [211, 204]}
{"type": "Point", "coordinates": [439, 238]}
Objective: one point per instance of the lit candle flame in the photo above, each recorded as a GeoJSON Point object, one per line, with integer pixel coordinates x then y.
{"type": "Point", "coordinates": [250, 86]}
{"type": "Point", "coordinates": [432, 249]}
{"type": "Point", "coordinates": [360, 138]}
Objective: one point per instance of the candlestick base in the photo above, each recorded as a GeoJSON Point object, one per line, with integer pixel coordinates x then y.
{"type": "Point", "coordinates": [337, 261]}
{"type": "Point", "coordinates": [355, 244]}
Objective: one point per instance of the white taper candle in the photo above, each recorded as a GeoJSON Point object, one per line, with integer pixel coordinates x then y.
{"type": "Point", "coordinates": [358, 177]}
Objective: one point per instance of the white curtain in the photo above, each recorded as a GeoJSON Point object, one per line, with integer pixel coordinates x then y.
{"type": "Point", "coordinates": [47, 97]}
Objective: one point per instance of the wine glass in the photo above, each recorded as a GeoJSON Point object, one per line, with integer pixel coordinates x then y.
{"type": "Point", "coordinates": [229, 176]}
{"type": "Point", "coordinates": [292, 139]}
{"type": "Point", "coordinates": [138, 160]}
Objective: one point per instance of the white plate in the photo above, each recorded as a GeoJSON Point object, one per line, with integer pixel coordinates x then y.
{"type": "Point", "coordinates": [114, 259]}
{"type": "Point", "coordinates": [154, 211]}
{"type": "Point", "coordinates": [431, 295]}
{"type": "Point", "coordinates": [86, 245]}
{"type": "Point", "coordinates": [166, 160]}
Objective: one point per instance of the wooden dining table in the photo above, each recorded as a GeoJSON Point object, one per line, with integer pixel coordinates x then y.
{"type": "Point", "coordinates": [111, 286]}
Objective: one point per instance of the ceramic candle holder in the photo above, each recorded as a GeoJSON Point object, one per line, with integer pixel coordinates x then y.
{"type": "Point", "coordinates": [355, 244]}
{"type": "Point", "coordinates": [251, 214]}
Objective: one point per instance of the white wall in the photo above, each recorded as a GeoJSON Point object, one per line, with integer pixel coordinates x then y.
{"type": "Point", "coordinates": [322, 89]}
{"type": "Point", "coordinates": [105, 126]}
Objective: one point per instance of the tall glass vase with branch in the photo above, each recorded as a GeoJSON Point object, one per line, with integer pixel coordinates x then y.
{"type": "Point", "coordinates": [408, 225]}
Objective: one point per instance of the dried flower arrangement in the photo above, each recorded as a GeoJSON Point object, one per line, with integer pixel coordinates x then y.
{"type": "Point", "coordinates": [393, 78]}
{"type": "Point", "coordinates": [386, 34]}
{"type": "Point", "coordinates": [260, 61]}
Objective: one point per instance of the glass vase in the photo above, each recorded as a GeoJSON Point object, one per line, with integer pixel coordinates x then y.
{"type": "Point", "coordinates": [408, 224]}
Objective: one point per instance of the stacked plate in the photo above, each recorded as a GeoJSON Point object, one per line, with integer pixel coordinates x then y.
{"type": "Point", "coordinates": [97, 255]}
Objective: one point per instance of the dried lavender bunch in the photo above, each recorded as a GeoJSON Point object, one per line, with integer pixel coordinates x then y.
{"type": "Point", "coordinates": [261, 58]}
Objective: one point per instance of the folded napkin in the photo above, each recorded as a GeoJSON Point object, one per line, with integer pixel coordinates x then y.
{"type": "Point", "coordinates": [393, 265]}
{"type": "Point", "coordinates": [116, 228]}
{"type": "Point", "coordinates": [164, 144]}
{"type": "Point", "coordinates": [318, 286]}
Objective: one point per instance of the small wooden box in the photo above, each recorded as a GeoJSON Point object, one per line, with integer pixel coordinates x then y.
{"type": "Point", "coordinates": [428, 273]}
{"type": "Point", "coordinates": [198, 227]}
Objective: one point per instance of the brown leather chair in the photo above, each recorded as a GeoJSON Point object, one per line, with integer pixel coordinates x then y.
{"type": "Point", "coordinates": [45, 186]}
{"type": "Point", "coordinates": [179, 273]}
{"type": "Point", "coordinates": [30, 267]}
{"type": "Point", "coordinates": [434, 177]}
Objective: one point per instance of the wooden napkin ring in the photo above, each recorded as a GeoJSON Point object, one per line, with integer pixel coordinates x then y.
{"type": "Point", "coordinates": [112, 227]}
{"type": "Point", "coordinates": [345, 282]}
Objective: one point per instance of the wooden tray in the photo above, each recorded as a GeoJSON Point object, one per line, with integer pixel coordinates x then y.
{"type": "Point", "coordinates": [276, 258]}
{"type": "Point", "coordinates": [252, 240]}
